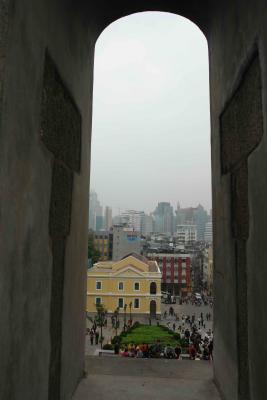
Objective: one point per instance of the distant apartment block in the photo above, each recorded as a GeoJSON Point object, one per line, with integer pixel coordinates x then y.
{"type": "Point", "coordinates": [186, 234]}
{"type": "Point", "coordinates": [103, 244]}
{"type": "Point", "coordinates": [125, 241]}
{"type": "Point", "coordinates": [176, 272]}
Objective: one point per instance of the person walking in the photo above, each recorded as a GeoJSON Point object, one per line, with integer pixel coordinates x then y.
{"type": "Point", "coordinates": [210, 347]}
{"type": "Point", "coordinates": [178, 351]}
{"type": "Point", "coordinates": [96, 337]}
{"type": "Point", "coordinates": [94, 326]}
{"type": "Point", "coordinates": [192, 352]}
{"type": "Point", "coordinates": [92, 337]}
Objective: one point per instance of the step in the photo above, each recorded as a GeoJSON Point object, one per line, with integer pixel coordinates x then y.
{"type": "Point", "coordinates": [117, 378]}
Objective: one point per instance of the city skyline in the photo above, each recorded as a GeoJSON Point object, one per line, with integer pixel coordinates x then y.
{"type": "Point", "coordinates": [151, 122]}
{"type": "Point", "coordinates": [148, 209]}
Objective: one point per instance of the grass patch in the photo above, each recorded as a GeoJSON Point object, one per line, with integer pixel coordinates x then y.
{"type": "Point", "coordinates": [149, 335]}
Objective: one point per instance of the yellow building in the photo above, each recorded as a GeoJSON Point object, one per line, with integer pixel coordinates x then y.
{"type": "Point", "coordinates": [133, 281]}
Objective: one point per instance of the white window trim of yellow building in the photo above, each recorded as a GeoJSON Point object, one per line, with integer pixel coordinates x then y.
{"type": "Point", "coordinates": [115, 294]}
{"type": "Point", "coordinates": [136, 274]}
{"type": "Point", "coordinates": [100, 285]}
{"type": "Point", "coordinates": [121, 290]}
{"type": "Point", "coordinates": [121, 308]}
{"type": "Point", "coordinates": [98, 298]}
{"type": "Point", "coordinates": [136, 290]}
{"type": "Point", "coordinates": [136, 308]}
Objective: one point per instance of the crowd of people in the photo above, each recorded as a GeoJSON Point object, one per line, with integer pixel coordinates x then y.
{"type": "Point", "coordinates": [199, 347]}
{"type": "Point", "coordinates": [187, 319]}
{"type": "Point", "coordinates": [194, 301]}
{"type": "Point", "coordinates": [156, 350]}
{"type": "Point", "coordinates": [196, 348]}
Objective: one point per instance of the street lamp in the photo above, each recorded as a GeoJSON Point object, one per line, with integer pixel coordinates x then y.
{"type": "Point", "coordinates": [130, 306]}
{"type": "Point", "coordinates": [116, 313]}
{"type": "Point", "coordinates": [125, 307]}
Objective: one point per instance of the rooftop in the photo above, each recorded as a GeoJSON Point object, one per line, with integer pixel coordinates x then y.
{"type": "Point", "coordinates": [110, 266]}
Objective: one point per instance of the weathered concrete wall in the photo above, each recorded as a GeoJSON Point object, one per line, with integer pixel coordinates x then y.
{"type": "Point", "coordinates": [26, 176]}
{"type": "Point", "coordinates": [237, 30]}
{"type": "Point", "coordinates": [32, 345]}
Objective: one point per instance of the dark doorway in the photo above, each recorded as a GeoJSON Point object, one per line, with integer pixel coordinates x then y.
{"type": "Point", "coordinates": [153, 309]}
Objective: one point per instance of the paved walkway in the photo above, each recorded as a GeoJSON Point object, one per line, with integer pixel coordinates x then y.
{"type": "Point", "coordinates": [117, 378]}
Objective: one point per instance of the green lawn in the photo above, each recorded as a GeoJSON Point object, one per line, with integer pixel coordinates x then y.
{"type": "Point", "coordinates": [149, 334]}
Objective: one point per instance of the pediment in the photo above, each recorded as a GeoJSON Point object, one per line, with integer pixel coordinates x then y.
{"type": "Point", "coordinates": [130, 261]}
{"type": "Point", "coordinates": [128, 271]}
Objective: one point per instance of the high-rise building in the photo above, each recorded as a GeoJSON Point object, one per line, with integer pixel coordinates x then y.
{"type": "Point", "coordinates": [108, 218]}
{"type": "Point", "coordinates": [163, 218]}
{"type": "Point", "coordinates": [201, 218]}
{"type": "Point", "coordinates": [134, 219]}
{"type": "Point", "coordinates": [208, 232]}
{"type": "Point", "coordinates": [99, 222]}
{"type": "Point", "coordinates": [147, 225]}
{"type": "Point", "coordinates": [193, 216]}
{"type": "Point", "coordinates": [95, 212]}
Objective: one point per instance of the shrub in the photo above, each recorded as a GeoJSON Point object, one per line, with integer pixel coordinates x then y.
{"type": "Point", "coordinates": [164, 328]}
{"type": "Point", "coordinates": [136, 324]}
{"type": "Point", "coordinates": [108, 346]}
{"type": "Point", "coordinates": [184, 342]}
{"type": "Point", "coordinates": [176, 336]}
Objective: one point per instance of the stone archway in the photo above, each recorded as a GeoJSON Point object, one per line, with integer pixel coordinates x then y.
{"type": "Point", "coordinates": [69, 31]}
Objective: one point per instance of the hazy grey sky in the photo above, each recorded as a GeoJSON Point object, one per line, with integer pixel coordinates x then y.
{"type": "Point", "coordinates": [151, 128]}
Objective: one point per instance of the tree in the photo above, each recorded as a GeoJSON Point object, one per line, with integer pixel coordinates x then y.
{"type": "Point", "coordinates": [93, 253]}
{"type": "Point", "coordinates": [100, 319]}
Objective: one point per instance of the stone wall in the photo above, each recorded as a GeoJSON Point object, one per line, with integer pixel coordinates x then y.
{"type": "Point", "coordinates": [44, 176]}
{"type": "Point", "coordinates": [45, 127]}
{"type": "Point", "coordinates": [237, 70]}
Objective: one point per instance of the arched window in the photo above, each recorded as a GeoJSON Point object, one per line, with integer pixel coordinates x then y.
{"type": "Point", "coordinates": [153, 288]}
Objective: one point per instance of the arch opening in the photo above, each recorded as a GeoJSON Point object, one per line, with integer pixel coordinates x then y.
{"type": "Point", "coordinates": [127, 108]}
